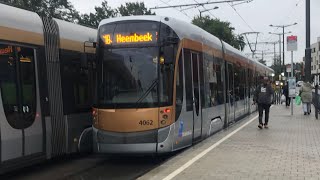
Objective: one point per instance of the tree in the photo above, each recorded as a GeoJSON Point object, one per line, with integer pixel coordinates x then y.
{"type": "Point", "coordinates": [61, 9]}
{"type": "Point", "coordinates": [220, 29]}
{"type": "Point", "coordinates": [104, 11]}
{"type": "Point", "coordinates": [134, 9]}
{"type": "Point", "coordinates": [93, 19]}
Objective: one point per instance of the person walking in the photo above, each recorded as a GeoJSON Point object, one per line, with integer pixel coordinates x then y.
{"type": "Point", "coordinates": [286, 94]}
{"type": "Point", "coordinates": [277, 95]}
{"type": "Point", "coordinates": [306, 97]}
{"type": "Point", "coordinates": [262, 96]}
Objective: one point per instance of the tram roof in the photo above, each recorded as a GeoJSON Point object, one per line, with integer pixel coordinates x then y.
{"type": "Point", "coordinates": [75, 32]}
{"type": "Point", "coordinates": [15, 18]}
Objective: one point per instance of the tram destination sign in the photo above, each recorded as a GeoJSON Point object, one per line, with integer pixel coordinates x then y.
{"type": "Point", "coordinates": [130, 38]}
{"type": "Point", "coordinates": [292, 43]}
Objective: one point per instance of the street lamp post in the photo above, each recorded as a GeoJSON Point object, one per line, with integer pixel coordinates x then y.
{"type": "Point", "coordinates": [280, 34]}
{"type": "Point", "coordinates": [216, 7]}
{"type": "Point", "coordinates": [283, 26]}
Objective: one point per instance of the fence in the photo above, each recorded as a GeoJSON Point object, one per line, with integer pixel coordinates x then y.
{"type": "Point", "coordinates": [315, 101]}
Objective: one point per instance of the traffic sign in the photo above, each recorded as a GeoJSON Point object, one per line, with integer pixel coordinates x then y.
{"type": "Point", "coordinates": [292, 43]}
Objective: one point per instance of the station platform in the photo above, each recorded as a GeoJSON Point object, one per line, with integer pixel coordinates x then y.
{"type": "Point", "coordinates": [289, 149]}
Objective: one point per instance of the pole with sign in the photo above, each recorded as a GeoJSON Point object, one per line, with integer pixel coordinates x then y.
{"type": "Point", "coordinates": [292, 45]}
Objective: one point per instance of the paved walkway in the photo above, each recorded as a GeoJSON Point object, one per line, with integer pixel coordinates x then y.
{"type": "Point", "coordinates": [289, 149]}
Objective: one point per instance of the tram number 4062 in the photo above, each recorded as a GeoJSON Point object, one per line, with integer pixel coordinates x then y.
{"type": "Point", "coordinates": [146, 122]}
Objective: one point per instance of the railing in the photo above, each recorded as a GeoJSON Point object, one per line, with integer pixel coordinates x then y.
{"type": "Point", "coordinates": [316, 100]}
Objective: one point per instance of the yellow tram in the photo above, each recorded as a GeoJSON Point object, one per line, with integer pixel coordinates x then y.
{"type": "Point", "coordinates": [164, 84]}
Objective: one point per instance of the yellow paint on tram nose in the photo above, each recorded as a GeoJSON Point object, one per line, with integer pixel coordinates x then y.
{"type": "Point", "coordinates": [132, 120]}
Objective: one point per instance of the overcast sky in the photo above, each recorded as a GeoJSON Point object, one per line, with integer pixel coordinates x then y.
{"type": "Point", "coordinates": [256, 16]}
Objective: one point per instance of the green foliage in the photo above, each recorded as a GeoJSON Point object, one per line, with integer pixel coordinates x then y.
{"type": "Point", "coordinates": [61, 9]}
{"type": "Point", "coordinates": [134, 9]}
{"type": "Point", "coordinates": [105, 11]}
{"type": "Point", "coordinates": [220, 29]}
{"type": "Point", "coordinates": [102, 12]}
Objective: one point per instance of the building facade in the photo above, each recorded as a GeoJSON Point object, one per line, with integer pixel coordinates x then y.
{"type": "Point", "coordinates": [315, 58]}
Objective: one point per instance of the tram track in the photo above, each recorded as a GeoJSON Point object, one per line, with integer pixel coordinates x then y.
{"type": "Point", "coordinates": [93, 167]}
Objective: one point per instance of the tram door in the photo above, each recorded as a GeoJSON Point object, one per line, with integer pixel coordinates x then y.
{"type": "Point", "coordinates": [20, 117]}
{"type": "Point", "coordinates": [230, 93]}
{"type": "Point", "coordinates": [197, 113]}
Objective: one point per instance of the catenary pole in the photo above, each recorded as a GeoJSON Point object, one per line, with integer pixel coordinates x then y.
{"type": "Point", "coordinates": [308, 49]}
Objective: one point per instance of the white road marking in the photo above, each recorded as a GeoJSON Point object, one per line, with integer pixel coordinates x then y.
{"type": "Point", "coordinates": [196, 158]}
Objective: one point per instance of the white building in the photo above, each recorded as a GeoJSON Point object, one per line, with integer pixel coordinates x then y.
{"type": "Point", "coordinates": [315, 58]}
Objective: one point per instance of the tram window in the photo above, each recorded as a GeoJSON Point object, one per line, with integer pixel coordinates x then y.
{"type": "Point", "coordinates": [230, 80]}
{"type": "Point", "coordinates": [8, 84]}
{"type": "Point", "coordinates": [250, 82]}
{"type": "Point", "coordinates": [215, 83]}
{"type": "Point", "coordinates": [188, 80]}
{"type": "Point", "coordinates": [242, 84]}
{"type": "Point", "coordinates": [179, 88]}
{"type": "Point", "coordinates": [75, 89]}
{"type": "Point", "coordinates": [237, 75]}
{"type": "Point", "coordinates": [28, 85]}
{"type": "Point", "coordinates": [201, 67]}
{"type": "Point", "coordinates": [166, 75]}
{"type": "Point", "coordinates": [207, 73]}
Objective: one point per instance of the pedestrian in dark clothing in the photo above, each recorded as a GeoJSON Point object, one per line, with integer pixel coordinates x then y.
{"type": "Point", "coordinates": [262, 96]}
{"type": "Point", "coordinates": [286, 94]}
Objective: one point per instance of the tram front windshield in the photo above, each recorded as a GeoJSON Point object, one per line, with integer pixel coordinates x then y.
{"type": "Point", "coordinates": [130, 75]}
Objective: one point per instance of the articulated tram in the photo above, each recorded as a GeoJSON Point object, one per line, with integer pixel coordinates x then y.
{"type": "Point", "coordinates": [46, 75]}
{"type": "Point", "coordinates": [164, 84]}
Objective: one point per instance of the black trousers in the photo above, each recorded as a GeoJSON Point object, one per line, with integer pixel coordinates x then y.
{"type": "Point", "coordinates": [288, 100]}
{"type": "Point", "coordinates": [266, 108]}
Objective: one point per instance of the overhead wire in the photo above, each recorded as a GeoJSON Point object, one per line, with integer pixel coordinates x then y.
{"type": "Point", "coordinates": [176, 9]}
{"type": "Point", "coordinates": [206, 9]}
{"type": "Point", "coordinates": [241, 16]}
{"type": "Point", "coordinates": [287, 17]}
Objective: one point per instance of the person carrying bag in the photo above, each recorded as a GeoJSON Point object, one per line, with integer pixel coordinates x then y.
{"type": "Point", "coordinates": [306, 97]}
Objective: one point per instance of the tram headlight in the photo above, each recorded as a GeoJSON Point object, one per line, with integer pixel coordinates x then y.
{"type": "Point", "coordinates": [161, 60]}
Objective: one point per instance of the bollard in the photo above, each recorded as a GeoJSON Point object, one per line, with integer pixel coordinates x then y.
{"type": "Point", "coordinates": [317, 102]}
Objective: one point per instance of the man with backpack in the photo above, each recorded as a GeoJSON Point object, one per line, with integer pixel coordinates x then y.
{"type": "Point", "coordinates": [262, 97]}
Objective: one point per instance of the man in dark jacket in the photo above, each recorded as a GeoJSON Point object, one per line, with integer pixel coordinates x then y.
{"type": "Point", "coordinates": [286, 93]}
{"type": "Point", "coordinates": [262, 96]}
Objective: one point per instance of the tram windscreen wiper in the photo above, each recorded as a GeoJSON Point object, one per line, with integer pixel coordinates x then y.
{"type": "Point", "coordinates": [145, 94]}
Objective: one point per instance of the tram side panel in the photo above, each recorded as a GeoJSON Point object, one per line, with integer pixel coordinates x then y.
{"type": "Point", "coordinates": [77, 96]}
{"type": "Point", "coordinates": [214, 106]}
{"type": "Point", "coordinates": [21, 124]}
